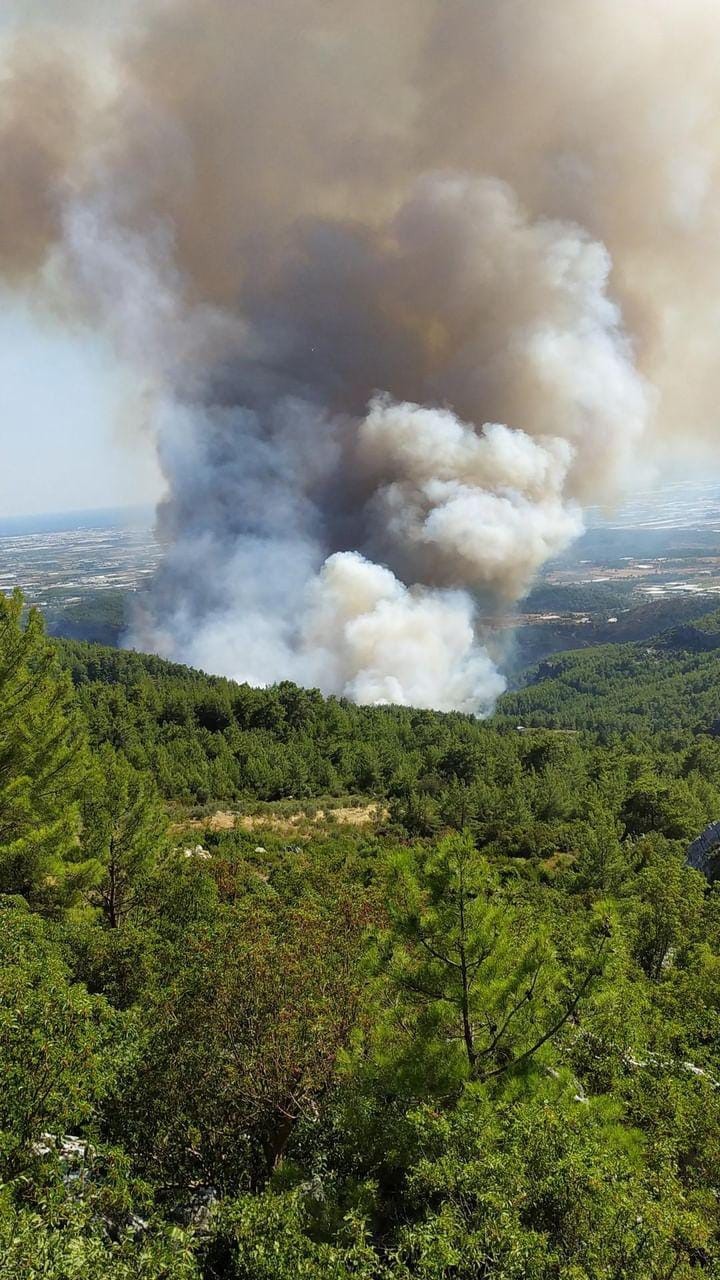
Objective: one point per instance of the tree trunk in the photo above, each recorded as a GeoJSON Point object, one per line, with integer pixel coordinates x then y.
{"type": "Point", "coordinates": [275, 1143]}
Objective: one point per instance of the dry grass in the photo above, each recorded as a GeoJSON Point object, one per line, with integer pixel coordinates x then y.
{"type": "Point", "coordinates": [286, 823]}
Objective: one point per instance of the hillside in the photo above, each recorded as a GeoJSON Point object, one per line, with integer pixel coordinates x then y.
{"type": "Point", "coordinates": [587, 626]}
{"type": "Point", "coordinates": [213, 745]}
{"type": "Point", "coordinates": [207, 738]}
{"type": "Point", "coordinates": [291, 987]}
{"type": "Point", "coordinates": [667, 684]}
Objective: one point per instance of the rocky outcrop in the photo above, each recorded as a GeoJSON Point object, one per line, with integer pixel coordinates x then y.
{"type": "Point", "coordinates": [704, 853]}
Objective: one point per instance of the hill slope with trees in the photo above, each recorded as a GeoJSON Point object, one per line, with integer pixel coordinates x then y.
{"type": "Point", "coordinates": [667, 683]}
{"type": "Point", "coordinates": [477, 1038]}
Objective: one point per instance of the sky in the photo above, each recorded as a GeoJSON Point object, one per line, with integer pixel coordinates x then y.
{"type": "Point", "coordinates": [100, 13]}
{"type": "Point", "coordinates": [66, 443]}
{"type": "Point", "coordinates": [69, 439]}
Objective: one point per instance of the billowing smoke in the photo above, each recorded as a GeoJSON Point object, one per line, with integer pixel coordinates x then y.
{"type": "Point", "coordinates": [405, 284]}
{"type": "Point", "coordinates": [367, 634]}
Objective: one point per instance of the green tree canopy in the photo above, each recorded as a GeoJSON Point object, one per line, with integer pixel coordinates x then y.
{"type": "Point", "coordinates": [477, 974]}
{"type": "Point", "coordinates": [123, 826]}
{"type": "Point", "coordinates": [42, 760]}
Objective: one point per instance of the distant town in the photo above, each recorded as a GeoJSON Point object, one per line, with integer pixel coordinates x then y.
{"type": "Point", "coordinates": [63, 567]}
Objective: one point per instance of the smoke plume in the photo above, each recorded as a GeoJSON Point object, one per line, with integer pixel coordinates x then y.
{"type": "Point", "coordinates": [405, 284]}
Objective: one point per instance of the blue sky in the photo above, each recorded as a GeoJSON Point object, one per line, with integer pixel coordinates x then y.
{"type": "Point", "coordinates": [66, 443]}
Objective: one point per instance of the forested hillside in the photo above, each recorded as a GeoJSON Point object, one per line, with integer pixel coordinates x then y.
{"type": "Point", "coordinates": [475, 1037]}
{"type": "Point", "coordinates": [669, 682]}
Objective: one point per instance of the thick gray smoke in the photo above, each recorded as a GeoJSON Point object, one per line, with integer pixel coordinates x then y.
{"type": "Point", "coordinates": [406, 285]}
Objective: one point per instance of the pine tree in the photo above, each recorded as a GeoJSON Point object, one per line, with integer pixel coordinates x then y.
{"type": "Point", "coordinates": [123, 831]}
{"type": "Point", "coordinates": [475, 974]}
{"type": "Point", "coordinates": [603, 864]}
{"type": "Point", "coordinates": [42, 761]}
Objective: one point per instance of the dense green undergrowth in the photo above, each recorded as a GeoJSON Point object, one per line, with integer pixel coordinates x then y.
{"type": "Point", "coordinates": [477, 1036]}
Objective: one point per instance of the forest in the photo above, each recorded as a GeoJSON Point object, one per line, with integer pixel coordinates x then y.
{"type": "Point", "coordinates": [476, 1035]}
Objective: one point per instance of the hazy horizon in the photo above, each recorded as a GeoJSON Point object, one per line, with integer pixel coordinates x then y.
{"type": "Point", "coordinates": [128, 514]}
{"type": "Point", "coordinates": [634, 511]}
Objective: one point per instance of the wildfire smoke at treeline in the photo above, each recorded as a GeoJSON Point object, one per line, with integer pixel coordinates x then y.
{"type": "Point", "coordinates": [405, 284]}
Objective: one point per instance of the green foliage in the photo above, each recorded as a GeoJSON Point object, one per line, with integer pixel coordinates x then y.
{"type": "Point", "coordinates": [670, 906]}
{"type": "Point", "coordinates": [541, 1187]}
{"type": "Point", "coordinates": [267, 1237]}
{"type": "Point", "coordinates": [628, 688]}
{"type": "Point", "coordinates": [603, 864]}
{"type": "Point", "coordinates": [246, 1040]}
{"type": "Point", "coordinates": [41, 760]}
{"type": "Point", "coordinates": [477, 976]}
{"type": "Point", "coordinates": [480, 1037]}
{"type": "Point", "coordinates": [53, 1036]}
{"type": "Point", "coordinates": [122, 832]}
{"type": "Point", "coordinates": [61, 1238]}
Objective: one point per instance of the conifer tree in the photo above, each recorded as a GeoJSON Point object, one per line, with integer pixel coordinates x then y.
{"type": "Point", "coordinates": [42, 761]}
{"type": "Point", "coordinates": [475, 974]}
{"type": "Point", "coordinates": [123, 829]}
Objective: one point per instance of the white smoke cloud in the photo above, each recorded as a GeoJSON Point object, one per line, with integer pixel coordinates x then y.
{"type": "Point", "coordinates": [528, 323]}
{"type": "Point", "coordinates": [483, 509]}
{"type": "Point", "coordinates": [501, 217]}
{"type": "Point", "coordinates": [380, 642]}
